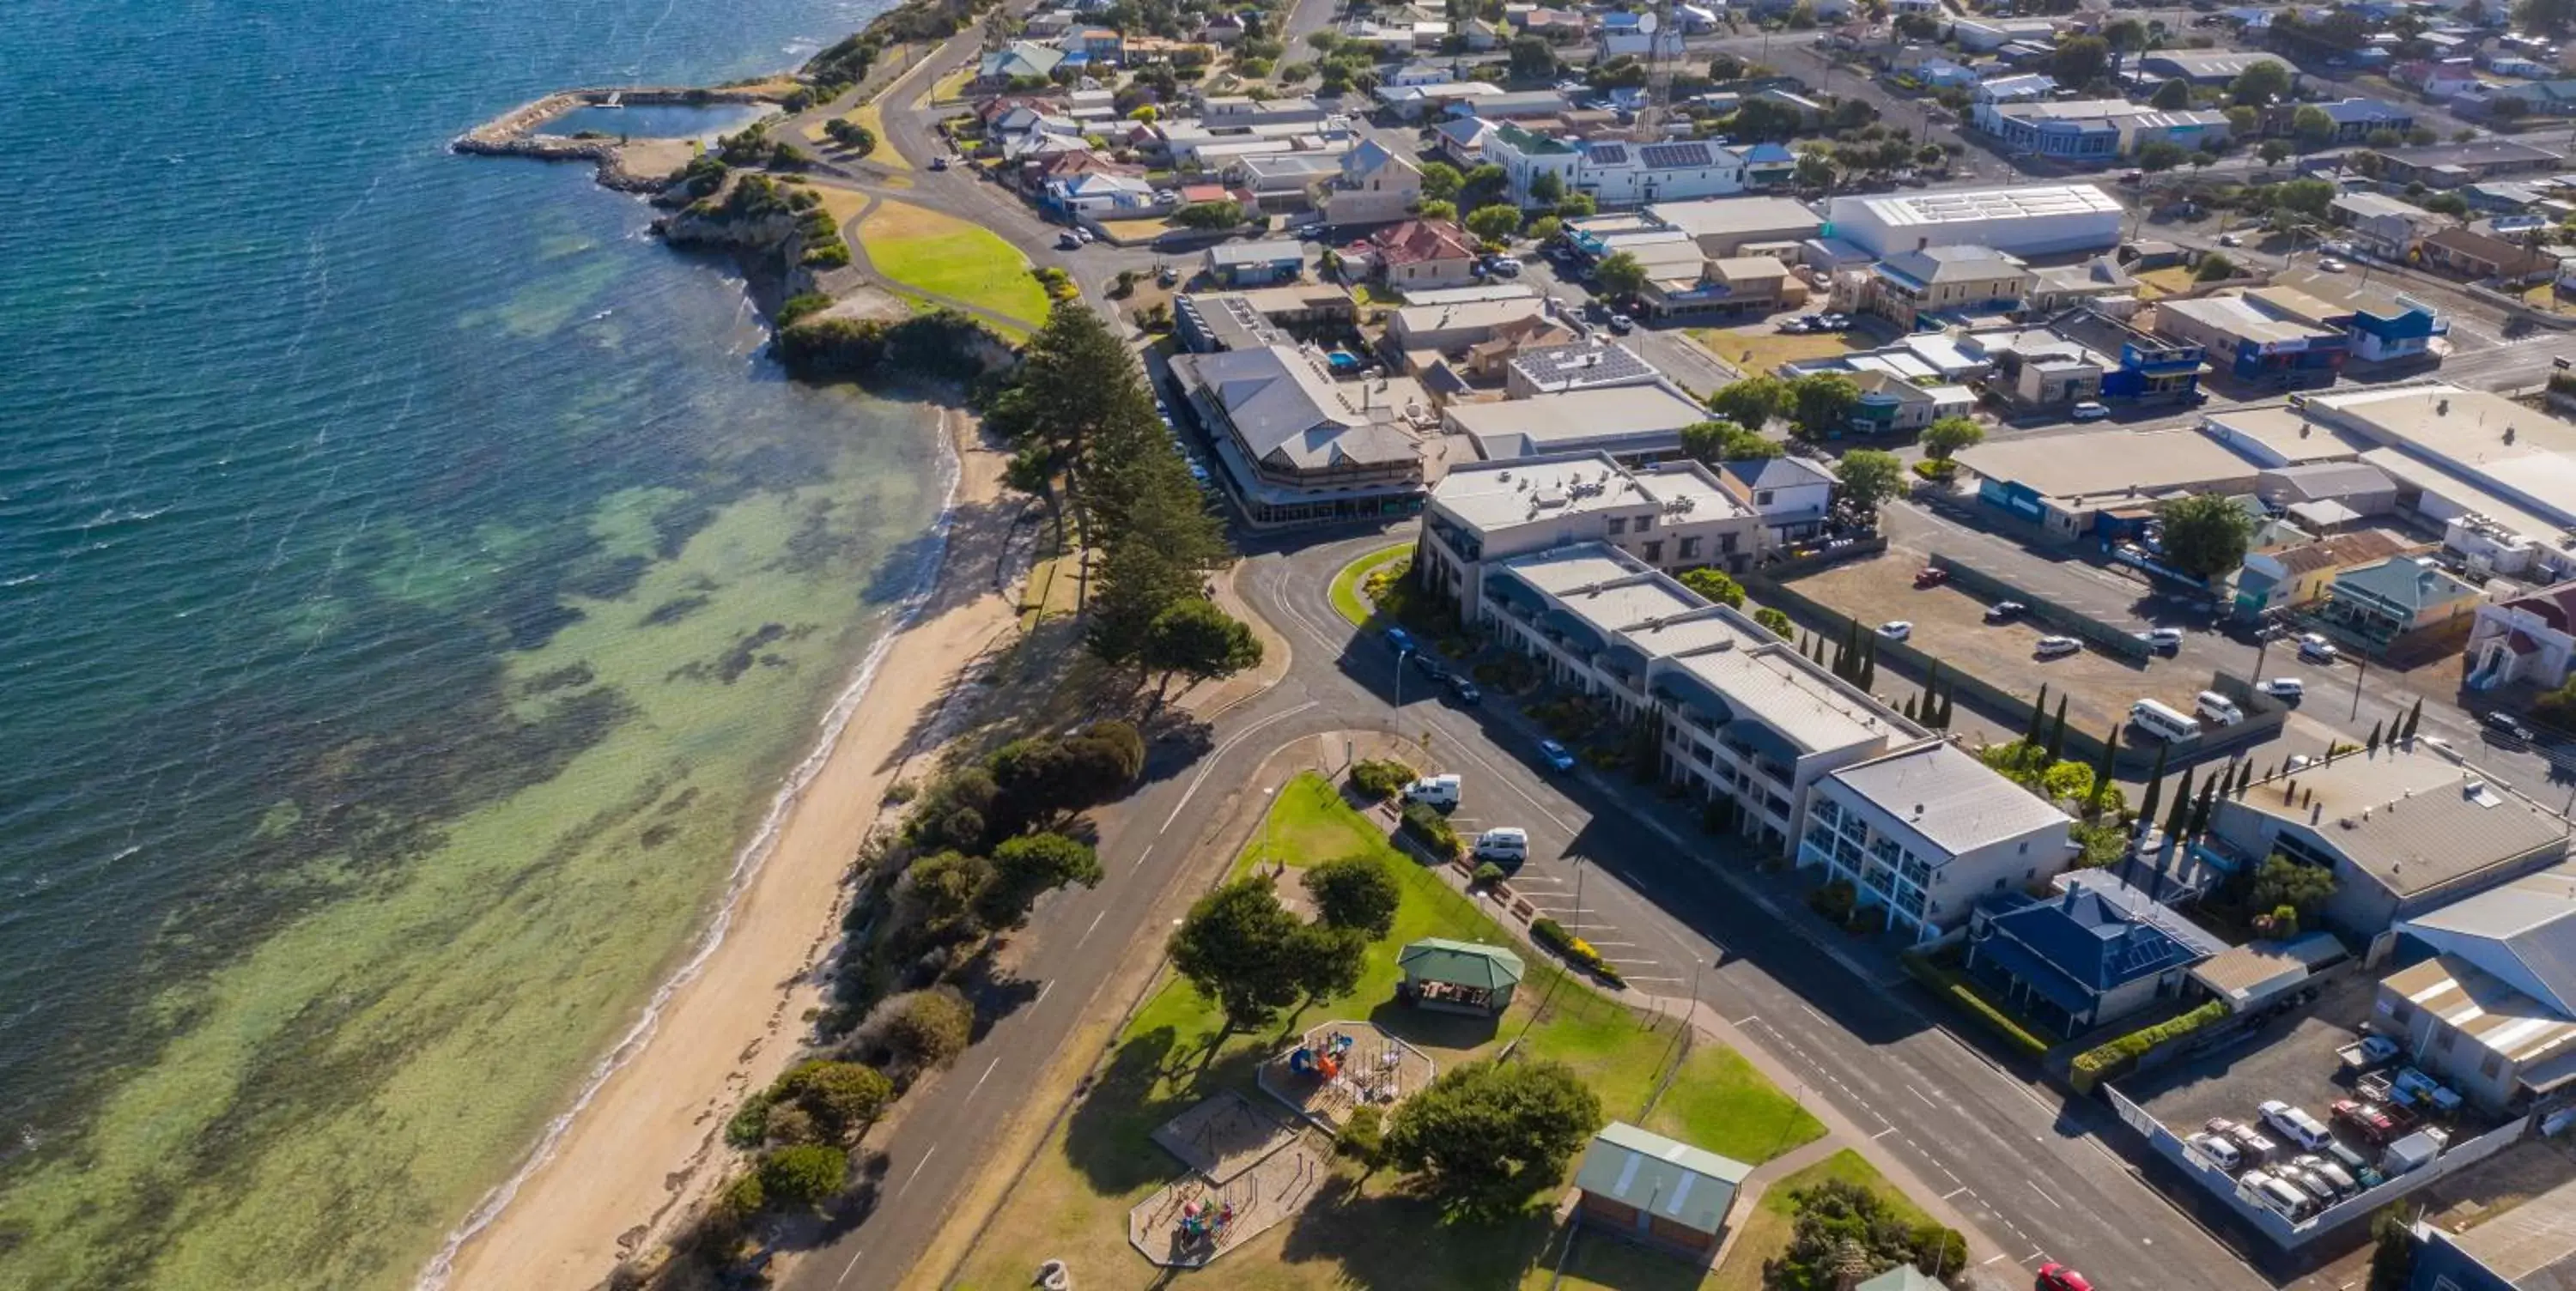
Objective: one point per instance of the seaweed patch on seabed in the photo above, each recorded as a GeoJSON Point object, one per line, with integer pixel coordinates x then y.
{"type": "Point", "coordinates": [747, 651]}
{"type": "Point", "coordinates": [673, 610]}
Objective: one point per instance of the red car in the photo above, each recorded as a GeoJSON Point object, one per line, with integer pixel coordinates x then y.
{"type": "Point", "coordinates": [2365, 1119]}
{"type": "Point", "coordinates": [1931, 576]}
{"type": "Point", "coordinates": [2057, 1277]}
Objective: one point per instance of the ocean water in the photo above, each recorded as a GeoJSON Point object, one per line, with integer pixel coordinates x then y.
{"type": "Point", "coordinates": [413, 589]}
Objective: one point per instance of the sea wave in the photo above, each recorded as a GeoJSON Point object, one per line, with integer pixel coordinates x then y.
{"type": "Point", "coordinates": [922, 585]}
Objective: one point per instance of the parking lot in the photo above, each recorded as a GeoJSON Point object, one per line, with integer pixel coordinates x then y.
{"type": "Point", "coordinates": [2291, 1058]}
{"type": "Point", "coordinates": [1950, 625]}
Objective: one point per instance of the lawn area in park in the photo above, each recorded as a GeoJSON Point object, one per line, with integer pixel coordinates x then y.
{"type": "Point", "coordinates": [1719, 1102]}
{"type": "Point", "coordinates": [1769, 1223]}
{"type": "Point", "coordinates": [945, 256]}
{"type": "Point", "coordinates": [1072, 1201]}
{"type": "Point", "coordinates": [1346, 584]}
{"type": "Point", "coordinates": [1604, 1262]}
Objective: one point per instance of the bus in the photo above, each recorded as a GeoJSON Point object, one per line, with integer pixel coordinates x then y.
{"type": "Point", "coordinates": [2160, 721]}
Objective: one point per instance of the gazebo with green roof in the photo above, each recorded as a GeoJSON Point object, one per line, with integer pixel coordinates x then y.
{"type": "Point", "coordinates": [1458, 976]}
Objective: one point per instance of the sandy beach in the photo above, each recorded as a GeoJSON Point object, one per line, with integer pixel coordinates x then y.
{"type": "Point", "coordinates": [636, 1155]}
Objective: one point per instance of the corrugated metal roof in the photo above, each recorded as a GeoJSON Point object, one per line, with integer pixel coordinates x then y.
{"type": "Point", "coordinates": [1664, 1177]}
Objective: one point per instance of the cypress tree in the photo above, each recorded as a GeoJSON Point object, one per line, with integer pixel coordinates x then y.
{"type": "Point", "coordinates": [2155, 787]}
{"type": "Point", "coordinates": [2102, 773]}
{"type": "Point", "coordinates": [2180, 816]}
{"type": "Point", "coordinates": [2199, 822]}
{"type": "Point", "coordinates": [1908, 709]}
{"type": "Point", "coordinates": [2057, 733]}
{"type": "Point", "coordinates": [2413, 715]}
{"type": "Point", "coordinates": [2038, 718]}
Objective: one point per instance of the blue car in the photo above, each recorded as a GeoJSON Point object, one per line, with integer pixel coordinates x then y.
{"type": "Point", "coordinates": [1400, 641]}
{"type": "Point", "coordinates": [1555, 755]}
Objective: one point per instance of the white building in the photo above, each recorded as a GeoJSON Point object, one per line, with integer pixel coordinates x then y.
{"type": "Point", "coordinates": [1615, 172]}
{"type": "Point", "coordinates": [1926, 830]}
{"type": "Point", "coordinates": [2040, 220]}
{"type": "Point", "coordinates": [2531, 638]}
{"type": "Point", "coordinates": [1670, 515]}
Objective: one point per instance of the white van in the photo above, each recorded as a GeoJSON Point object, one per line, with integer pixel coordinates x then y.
{"type": "Point", "coordinates": [1440, 791]}
{"type": "Point", "coordinates": [1507, 845]}
{"type": "Point", "coordinates": [2291, 1203]}
{"type": "Point", "coordinates": [2217, 708]}
{"type": "Point", "coordinates": [2160, 721]}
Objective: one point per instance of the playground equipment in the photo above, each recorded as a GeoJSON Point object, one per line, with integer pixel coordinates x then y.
{"type": "Point", "coordinates": [1201, 1222]}
{"type": "Point", "coordinates": [1323, 1062]}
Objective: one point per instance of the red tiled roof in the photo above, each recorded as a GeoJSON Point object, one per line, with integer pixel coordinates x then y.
{"type": "Point", "coordinates": [1204, 193]}
{"type": "Point", "coordinates": [1416, 241]}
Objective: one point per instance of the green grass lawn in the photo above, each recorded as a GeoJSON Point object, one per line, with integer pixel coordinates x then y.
{"type": "Point", "coordinates": [1768, 1225]}
{"type": "Point", "coordinates": [946, 256]}
{"type": "Point", "coordinates": [1346, 584]}
{"type": "Point", "coordinates": [1603, 1262]}
{"type": "Point", "coordinates": [1721, 1103]}
{"type": "Point", "coordinates": [1072, 1202]}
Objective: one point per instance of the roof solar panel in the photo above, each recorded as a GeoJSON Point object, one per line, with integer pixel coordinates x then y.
{"type": "Point", "coordinates": [1667, 156]}
{"type": "Point", "coordinates": [1609, 154]}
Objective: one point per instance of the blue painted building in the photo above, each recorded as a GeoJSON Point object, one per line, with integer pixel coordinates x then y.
{"type": "Point", "coordinates": [2152, 369]}
{"type": "Point", "coordinates": [2078, 961]}
{"type": "Point", "coordinates": [2405, 333]}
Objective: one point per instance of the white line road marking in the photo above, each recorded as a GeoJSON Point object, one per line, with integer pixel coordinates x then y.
{"type": "Point", "coordinates": [1988, 1260]}
{"type": "Point", "coordinates": [1142, 856]}
{"type": "Point", "coordinates": [847, 1268]}
{"type": "Point", "coordinates": [1746, 1021]}
{"type": "Point", "coordinates": [1952, 1193]}
{"type": "Point", "coordinates": [1095, 927]}
{"type": "Point", "coordinates": [2043, 1196]}
{"type": "Point", "coordinates": [916, 1171]}
{"type": "Point", "coordinates": [1811, 1012]}
{"type": "Point", "coordinates": [1918, 1097]}
{"type": "Point", "coordinates": [1042, 993]}
{"type": "Point", "coordinates": [1639, 977]}
{"type": "Point", "coordinates": [988, 1075]}
{"type": "Point", "coordinates": [1209, 766]}
{"type": "Point", "coordinates": [1882, 1134]}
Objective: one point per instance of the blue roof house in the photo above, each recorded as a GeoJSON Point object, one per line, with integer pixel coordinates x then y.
{"type": "Point", "coordinates": [2076, 962]}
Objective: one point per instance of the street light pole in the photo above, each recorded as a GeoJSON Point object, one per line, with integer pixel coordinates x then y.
{"type": "Point", "coordinates": [1400, 657]}
{"type": "Point", "coordinates": [1577, 928]}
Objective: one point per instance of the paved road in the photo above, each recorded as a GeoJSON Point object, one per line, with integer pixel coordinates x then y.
{"type": "Point", "coordinates": [1665, 900]}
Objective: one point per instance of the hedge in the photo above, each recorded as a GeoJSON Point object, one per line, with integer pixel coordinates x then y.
{"type": "Point", "coordinates": [1378, 781]}
{"type": "Point", "coordinates": [2116, 1057]}
{"type": "Point", "coordinates": [1956, 987]}
{"type": "Point", "coordinates": [1432, 830]}
{"type": "Point", "coordinates": [1551, 934]}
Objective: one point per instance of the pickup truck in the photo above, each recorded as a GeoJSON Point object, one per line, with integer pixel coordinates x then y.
{"type": "Point", "coordinates": [2368, 1052]}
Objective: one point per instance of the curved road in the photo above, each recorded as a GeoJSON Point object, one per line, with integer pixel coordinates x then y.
{"type": "Point", "coordinates": [2021, 1163]}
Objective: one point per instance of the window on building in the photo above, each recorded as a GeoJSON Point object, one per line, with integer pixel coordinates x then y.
{"type": "Point", "coordinates": [2493, 1066]}
{"type": "Point", "coordinates": [2402, 1013]}
{"type": "Point", "coordinates": [2444, 1035]}
{"type": "Point", "coordinates": [1762, 498]}
{"type": "Point", "coordinates": [1689, 549]}
{"type": "Point", "coordinates": [1618, 524]}
{"type": "Point", "coordinates": [1654, 551]}
{"type": "Point", "coordinates": [1644, 523]}
{"type": "Point", "coordinates": [1726, 543]}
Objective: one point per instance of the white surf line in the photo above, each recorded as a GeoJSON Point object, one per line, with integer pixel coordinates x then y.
{"type": "Point", "coordinates": [747, 865]}
{"type": "Point", "coordinates": [1209, 765]}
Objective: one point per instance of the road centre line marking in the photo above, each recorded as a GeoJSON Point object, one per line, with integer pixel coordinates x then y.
{"type": "Point", "coordinates": [1209, 766]}
{"type": "Point", "coordinates": [1918, 1097]}
{"type": "Point", "coordinates": [916, 1171]}
{"type": "Point", "coordinates": [1095, 927]}
{"type": "Point", "coordinates": [1882, 1134]}
{"type": "Point", "coordinates": [1142, 856]}
{"type": "Point", "coordinates": [1953, 1193]}
{"type": "Point", "coordinates": [847, 1268]}
{"type": "Point", "coordinates": [2043, 1195]}
{"type": "Point", "coordinates": [1042, 993]}
{"type": "Point", "coordinates": [988, 1075]}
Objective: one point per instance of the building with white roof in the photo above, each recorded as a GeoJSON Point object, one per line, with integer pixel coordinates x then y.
{"type": "Point", "coordinates": [2097, 129]}
{"type": "Point", "coordinates": [1746, 720]}
{"type": "Point", "coordinates": [1583, 365]}
{"type": "Point", "coordinates": [1926, 830]}
{"type": "Point", "coordinates": [2118, 471]}
{"type": "Point", "coordinates": [1624, 421]}
{"type": "Point", "coordinates": [1725, 226]}
{"type": "Point", "coordinates": [2500, 476]}
{"type": "Point", "coordinates": [1669, 515]}
{"type": "Point", "coordinates": [2404, 831]}
{"type": "Point", "coordinates": [2039, 220]}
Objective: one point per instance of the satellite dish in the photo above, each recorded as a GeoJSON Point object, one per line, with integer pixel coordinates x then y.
{"type": "Point", "coordinates": [1646, 23]}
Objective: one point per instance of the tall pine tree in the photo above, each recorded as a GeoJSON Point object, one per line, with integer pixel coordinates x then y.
{"type": "Point", "coordinates": [2057, 733]}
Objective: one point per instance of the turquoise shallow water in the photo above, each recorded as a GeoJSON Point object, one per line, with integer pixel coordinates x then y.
{"type": "Point", "coordinates": [413, 586]}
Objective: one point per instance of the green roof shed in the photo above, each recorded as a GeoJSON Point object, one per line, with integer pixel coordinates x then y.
{"type": "Point", "coordinates": [1459, 976]}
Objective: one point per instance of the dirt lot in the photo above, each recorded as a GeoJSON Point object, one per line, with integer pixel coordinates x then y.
{"type": "Point", "coordinates": [1950, 625]}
